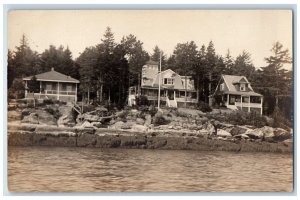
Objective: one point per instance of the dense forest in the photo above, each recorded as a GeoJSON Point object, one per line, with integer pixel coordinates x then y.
{"type": "Point", "coordinates": [107, 69]}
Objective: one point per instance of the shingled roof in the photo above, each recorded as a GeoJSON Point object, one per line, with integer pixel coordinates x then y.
{"type": "Point", "coordinates": [230, 80]}
{"type": "Point", "coordinates": [53, 76]}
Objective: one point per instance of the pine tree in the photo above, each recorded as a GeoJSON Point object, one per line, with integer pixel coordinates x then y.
{"type": "Point", "coordinates": [156, 56]}
{"type": "Point", "coordinates": [25, 61]}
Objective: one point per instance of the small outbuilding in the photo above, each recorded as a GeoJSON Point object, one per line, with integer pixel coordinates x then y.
{"type": "Point", "coordinates": [53, 85]}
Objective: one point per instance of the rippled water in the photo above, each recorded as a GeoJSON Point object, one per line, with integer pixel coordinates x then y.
{"type": "Point", "coordinates": [95, 170]}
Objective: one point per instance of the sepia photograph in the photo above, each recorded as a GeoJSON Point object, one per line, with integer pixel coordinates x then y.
{"type": "Point", "coordinates": [150, 100]}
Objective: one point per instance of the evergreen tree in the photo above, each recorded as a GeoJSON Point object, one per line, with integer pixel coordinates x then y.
{"type": "Point", "coordinates": [10, 69]}
{"type": "Point", "coordinates": [87, 63]}
{"type": "Point", "coordinates": [33, 85]}
{"type": "Point", "coordinates": [276, 82]}
{"type": "Point", "coordinates": [243, 65]}
{"type": "Point", "coordinates": [25, 61]}
{"type": "Point", "coordinates": [136, 56]}
{"type": "Point", "coordinates": [156, 56]}
{"type": "Point", "coordinates": [60, 59]}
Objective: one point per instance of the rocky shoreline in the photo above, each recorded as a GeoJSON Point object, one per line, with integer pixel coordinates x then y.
{"type": "Point", "coordinates": [28, 135]}
{"type": "Point", "coordinates": [56, 124]}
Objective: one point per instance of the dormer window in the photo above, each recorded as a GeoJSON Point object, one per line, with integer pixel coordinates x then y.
{"type": "Point", "coordinates": [168, 81]}
{"type": "Point", "coordinates": [242, 87]}
{"type": "Point", "coordinates": [222, 87]}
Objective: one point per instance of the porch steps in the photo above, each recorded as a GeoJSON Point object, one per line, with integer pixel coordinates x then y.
{"type": "Point", "coordinates": [172, 103]}
{"type": "Point", "coordinates": [77, 108]}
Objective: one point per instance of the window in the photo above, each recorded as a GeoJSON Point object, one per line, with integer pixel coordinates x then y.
{"type": "Point", "coordinates": [69, 87]}
{"type": "Point", "coordinates": [231, 99]}
{"type": "Point", "coordinates": [255, 99]}
{"type": "Point", "coordinates": [168, 81]}
{"type": "Point", "coordinates": [242, 87]}
{"type": "Point", "coordinates": [222, 87]}
{"type": "Point", "coordinates": [245, 99]}
{"type": "Point", "coordinates": [63, 87]}
{"type": "Point", "coordinates": [54, 86]}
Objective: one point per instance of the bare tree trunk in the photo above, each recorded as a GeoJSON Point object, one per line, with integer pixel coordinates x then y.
{"type": "Point", "coordinates": [88, 95]}
{"type": "Point", "coordinates": [198, 87]}
{"type": "Point", "coordinates": [185, 92]}
{"type": "Point", "coordinates": [101, 92]}
{"type": "Point", "coordinates": [209, 90]}
{"type": "Point", "coordinates": [139, 87]}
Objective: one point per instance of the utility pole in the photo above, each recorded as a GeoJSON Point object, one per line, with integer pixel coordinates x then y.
{"type": "Point", "coordinates": [185, 92]}
{"type": "Point", "coordinates": [159, 79]}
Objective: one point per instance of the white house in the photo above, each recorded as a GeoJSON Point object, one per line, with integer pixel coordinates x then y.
{"type": "Point", "coordinates": [237, 94]}
{"type": "Point", "coordinates": [173, 86]}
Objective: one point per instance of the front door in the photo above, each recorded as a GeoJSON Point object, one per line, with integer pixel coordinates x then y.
{"type": "Point", "coordinates": [171, 94]}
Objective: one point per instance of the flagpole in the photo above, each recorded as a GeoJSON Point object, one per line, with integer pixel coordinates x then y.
{"type": "Point", "coordinates": [159, 79]}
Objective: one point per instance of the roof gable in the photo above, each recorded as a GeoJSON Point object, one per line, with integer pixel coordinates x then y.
{"type": "Point", "coordinates": [231, 80]}
{"type": "Point", "coordinates": [53, 76]}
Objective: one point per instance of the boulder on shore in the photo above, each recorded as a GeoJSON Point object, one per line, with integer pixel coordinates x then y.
{"type": "Point", "coordinates": [223, 133]}
{"type": "Point", "coordinates": [117, 125]}
{"type": "Point", "coordinates": [140, 121]}
{"type": "Point", "coordinates": [237, 130]}
{"type": "Point", "coordinates": [32, 118]}
{"type": "Point", "coordinates": [148, 119]}
{"type": "Point", "coordinates": [281, 134]}
{"type": "Point", "coordinates": [139, 128]}
{"type": "Point", "coordinates": [46, 118]}
{"type": "Point", "coordinates": [14, 115]}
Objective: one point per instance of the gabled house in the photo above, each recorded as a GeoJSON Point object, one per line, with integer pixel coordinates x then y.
{"type": "Point", "coordinates": [172, 85]}
{"type": "Point", "coordinates": [237, 94]}
{"type": "Point", "coordinates": [54, 85]}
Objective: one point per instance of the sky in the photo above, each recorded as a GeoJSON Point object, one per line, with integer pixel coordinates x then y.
{"type": "Point", "coordinates": [252, 30]}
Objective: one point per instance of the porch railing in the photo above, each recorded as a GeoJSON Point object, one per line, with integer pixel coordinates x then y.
{"type": "Point", "coordinates": [60, 92]}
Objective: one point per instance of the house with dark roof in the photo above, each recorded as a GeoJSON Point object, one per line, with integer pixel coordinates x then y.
{"type": "Point", "coordinates": [54, 85]}
{"type": "Point", "coordinates": [173, 86]}
{"type": "Point", "coordinates": [237, 94]}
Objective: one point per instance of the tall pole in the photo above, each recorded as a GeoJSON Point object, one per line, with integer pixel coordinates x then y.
{"type": "Point", "coordinates": [159, 79]}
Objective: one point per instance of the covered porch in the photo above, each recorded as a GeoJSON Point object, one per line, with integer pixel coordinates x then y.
{"type": "Point", "coordinates": [172, 94]}
{"type": "Point", "coordinates": [63, 91]}
{"type": "Point", "coordinates": [244, 102]}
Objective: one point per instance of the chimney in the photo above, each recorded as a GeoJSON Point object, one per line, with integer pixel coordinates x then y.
{"type": "Point", "coordinates": [52, 68]}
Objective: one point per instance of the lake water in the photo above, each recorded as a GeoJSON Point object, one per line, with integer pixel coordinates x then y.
{"type": "Point", "coordinates": [59, 169]}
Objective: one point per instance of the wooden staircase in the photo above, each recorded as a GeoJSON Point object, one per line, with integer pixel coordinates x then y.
{"type": "Point", "coordinates": [172, 103]}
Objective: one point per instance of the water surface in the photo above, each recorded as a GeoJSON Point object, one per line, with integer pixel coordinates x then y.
{"type": "Point", "coordinates": [60, 169]}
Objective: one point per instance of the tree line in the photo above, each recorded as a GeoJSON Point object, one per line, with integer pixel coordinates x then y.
{"type": "Point", "coordinates": [107, 69]}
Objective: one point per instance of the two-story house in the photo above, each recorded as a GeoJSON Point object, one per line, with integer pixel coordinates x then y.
{"type": "Point", "coordinates": [237, 94]}
{"type": "Point", "coordinates": [176, 90]}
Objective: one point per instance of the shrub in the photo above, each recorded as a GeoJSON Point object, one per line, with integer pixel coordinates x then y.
{"type": "Point", "coordinates": [53, 112]}
{"type": "Point", "coordinates": [240, 118]}
{"type": "Point", "coordinates": [142, 101]}
{"type": "Point", "coordinates": [152, 110]}
{"type": "Point", "coordinates": [159, 119]}
{"type": "Point", "coordinates": [48, 101]}
{"type": "Point", "coordinates": [124, 114]}
{"type": "Point", "coordinates": [280, 120]}
{"type": "Point", "coordinates": [204, 107]}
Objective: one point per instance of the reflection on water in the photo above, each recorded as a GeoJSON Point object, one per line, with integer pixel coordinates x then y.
{"type": "Point", "coordinates": [95, 170]}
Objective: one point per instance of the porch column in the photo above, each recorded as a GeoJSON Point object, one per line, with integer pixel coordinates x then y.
{"type": "Point", "coordinates": [25, 89]}
{"type": "Point", "coordinates": [241, 102]}
{"type": "Point", "coordinates": [249, 104]}
{"type": "Point", "coordinates": [227, 99]}
{"type": "Point", "coordinates": [76, 93]}
{"type": "Point", "coordinates": [261, 104]}
{"type": "Point", "coordinates": [174, 94]}
{"type": "Point", "coordinates": [40, 89]}
{"type": "Point", "coordinates": [57, 90]}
